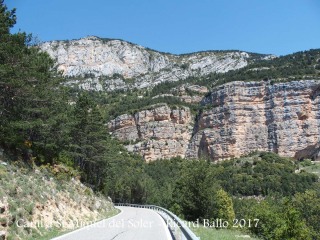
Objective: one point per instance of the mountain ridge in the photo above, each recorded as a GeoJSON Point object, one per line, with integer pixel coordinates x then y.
{"type": "Point", "coordinates": [221, 128]}
{"type": "Point", "coordinates": [99, 64]}
{"type": "Point", "coordinates": [107, 39]}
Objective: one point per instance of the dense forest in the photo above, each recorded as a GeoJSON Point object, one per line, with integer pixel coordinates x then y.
{"type": "Point", "coordinates": [45, 123]}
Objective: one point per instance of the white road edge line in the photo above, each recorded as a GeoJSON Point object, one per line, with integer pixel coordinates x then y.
{"type": "Point", "coordinates": [89, 226]}
{"type": "Point", "coordinates": [169, 237]}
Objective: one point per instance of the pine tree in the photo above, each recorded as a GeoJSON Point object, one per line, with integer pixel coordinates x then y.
{"type": "Point", "coordinates": [31, 102]}
{"type": "Point", "coordinates": [89, 141]}
{"type": "Point", "coordinates": [194, 190]}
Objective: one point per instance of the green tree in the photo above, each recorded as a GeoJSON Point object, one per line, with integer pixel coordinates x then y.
{"type": "Point", "coordinates": [88, 143]}
{"type": "Point", "coordinates": [296, 227]}
{"type": "Point", "coordinates": [194, 190]}
{"type": "Point", "coordinates": [308, 205]}
{"type": "Point", "coordinates": [278, 219]}
{"type": "Point", "coordinates": [223, 207]}
{"type": "Point", "coordinates": [31, 102]}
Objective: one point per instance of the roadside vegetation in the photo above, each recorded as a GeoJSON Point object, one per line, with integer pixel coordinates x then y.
{"type": "Point", "coordinates": [206, 233]}
{"type": "Point", "coordinates": [286, 202]}
{"type": "Point", "coordinates": [41, 202]}
{"type": "Point", "coordinates": [51, 134]}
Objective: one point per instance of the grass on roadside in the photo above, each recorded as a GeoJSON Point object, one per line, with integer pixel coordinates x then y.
{"type": "Point", "coordinates": [56, 232]}
{"type": "Point", "coordinates": [33, 201]}
{"type": "Point", "coordinates": [206, 233]}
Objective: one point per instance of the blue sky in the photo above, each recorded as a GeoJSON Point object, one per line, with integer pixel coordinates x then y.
{"type": "Point", "coordinates": [178, 26]}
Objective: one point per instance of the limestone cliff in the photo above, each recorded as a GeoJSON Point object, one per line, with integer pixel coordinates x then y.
{"type": "Point", "coordinates": [238, 118]}
{"type": "Point", "coordinates": [107, 64]}
{"type": "Point", "coordinates": [241, 117]}
{"type": "Point", "coordinates": [155, 133]}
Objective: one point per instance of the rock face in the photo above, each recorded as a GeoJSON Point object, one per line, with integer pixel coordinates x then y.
{"type": "Point", "coordinates": [4, 207]}
{"type": "Point", "coordinates": [155, 133]}
{"type": "Point", "coordinates": [106, 64]}
{"type": "Point", "coordinates": [241, 117]}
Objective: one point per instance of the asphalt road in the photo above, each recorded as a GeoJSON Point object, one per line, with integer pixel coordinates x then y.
{"type": "Point", "coordinates": [130, 224]}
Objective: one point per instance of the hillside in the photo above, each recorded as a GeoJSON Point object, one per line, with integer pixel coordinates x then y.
{"type": "Point", "coordinates": [40, 202]}
{"type": "Point", "coordinates": [109, 64]}
{"type": "Point", "coordinates": [209, 135]}
{"type": "Point", "coordinates": [165, 78]}
{"type": "Point", "coordinates": [219, 122]}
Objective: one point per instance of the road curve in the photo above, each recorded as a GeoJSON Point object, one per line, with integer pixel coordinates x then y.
{"type": "Point", "coordinates": [130, 224]}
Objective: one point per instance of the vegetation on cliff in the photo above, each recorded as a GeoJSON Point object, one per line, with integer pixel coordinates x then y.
{"type": "Point", "coordinates": [296, 66]}
{"type": "Point", "coordinates": [44, 123]}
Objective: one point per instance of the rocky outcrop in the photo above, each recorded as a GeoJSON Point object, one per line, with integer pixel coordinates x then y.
{"type": "Point", "coordinates": [4, 212]}
{"type": "Point", "coordinates": [103, 57]}
{"type": "Point", "coordinates": [238, 118]}
{"type": "Point", "coordinates": [241, 117]}
{"type": "Point", "coordinates": [155, 133]}
{"type": "Point", "coordinates": [3, 235]}
{"type": "Point", "coordinates": [107, 64]}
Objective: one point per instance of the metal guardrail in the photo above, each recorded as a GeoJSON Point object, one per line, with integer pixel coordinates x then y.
{"type": "Point", "coordinates": [187, 234]}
